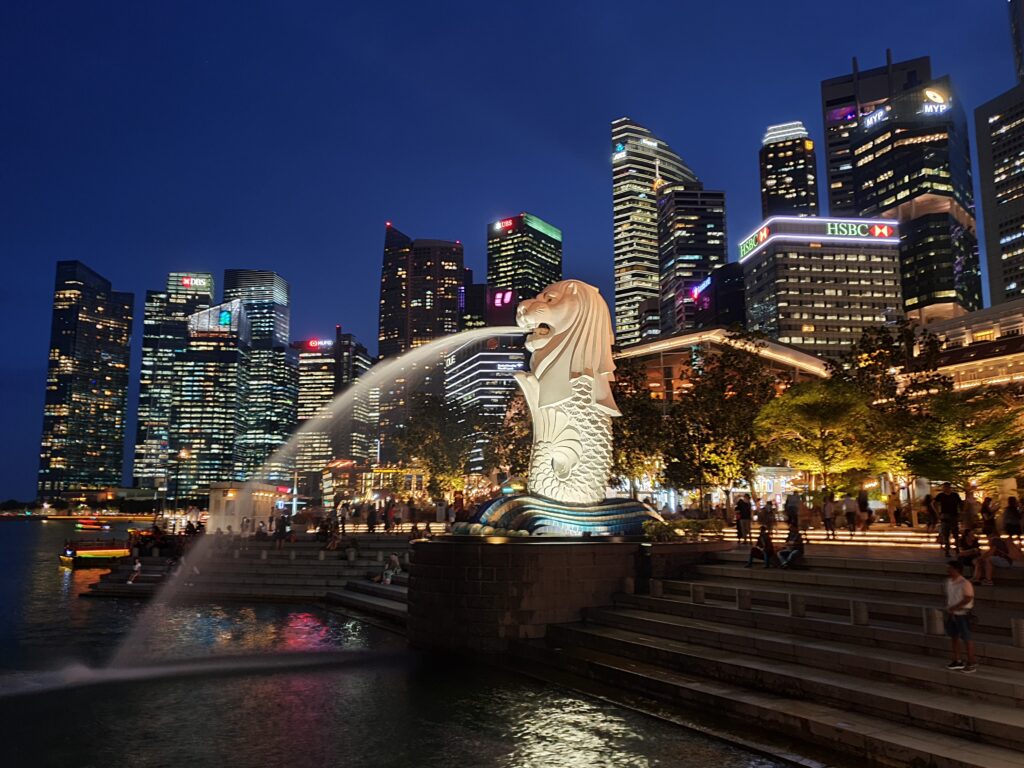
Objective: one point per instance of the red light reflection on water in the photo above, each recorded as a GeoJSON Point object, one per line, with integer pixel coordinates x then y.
{"type": "Point", "coordinates": [304, 632]}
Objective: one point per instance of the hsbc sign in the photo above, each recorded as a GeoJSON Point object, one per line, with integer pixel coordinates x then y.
{"type": "Point", "coordinates": [851, 229]}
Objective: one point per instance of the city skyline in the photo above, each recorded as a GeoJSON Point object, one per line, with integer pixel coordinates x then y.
{"type": "Point", "coordinates": [318, 255]}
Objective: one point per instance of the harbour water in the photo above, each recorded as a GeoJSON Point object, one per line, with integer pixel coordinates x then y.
{"type": "Point", "coordinates": [390, 708]}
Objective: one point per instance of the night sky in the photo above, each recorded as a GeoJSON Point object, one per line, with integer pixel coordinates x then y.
{"type": "Point", "coordinates": [147, 137]}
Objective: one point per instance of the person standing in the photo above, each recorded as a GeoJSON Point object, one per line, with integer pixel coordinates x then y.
{"type": "Point", "coordinates": [959, 603]}
{"type": "Point", "coordinates": [828, 515]}
{"type": "Point", "coordinates": [792, 507]}
{"type": "Point", "coordinates": [744, 512]}
{"type": "Point", "coordinates": [969, 510]}
{"type": "Point", "coordinates": [850, 513]}
{"type": "Point", "coordinates": [863, 509]}
{"type": "Point", "coordinates": [988, 518]}
{"type": "Point", "coordinates": [931, 517]}
{"type": "Point", "coordinates": [1012, 519]}
{"type": "Point", "coordinates": [950, 505]}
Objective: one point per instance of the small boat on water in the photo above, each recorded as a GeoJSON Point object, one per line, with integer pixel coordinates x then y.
{"type": "Point", "coordinates": [97, 553]}
{"type": "Point", "coordinates": [92, 524]}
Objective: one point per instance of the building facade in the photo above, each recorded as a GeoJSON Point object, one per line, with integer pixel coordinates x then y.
{"type": "Point", "coordinates": [817, 283]}
{"type": "Point", "coordinates": [270, 406]}
{"type": "Point", "coordinates": [164, 340]}
{"type": "Point", "coordinates": [208, 415]}
{"type": "Point", "coordinates": [524, 254]}
{"type": "Point", "coordinates": [844, 100]}
{"type": "Point", "coordinates": [314, 447]}
{"type": "Point", "coordinates": [356, 425]}
{"type": "Point", "coordinates": [789, 172]}
{"type": "Point", "coordinates": [422, 298]}
{"type": "Point", "coordinates": [480, 378]}
{"type": "Point", "coordinates": [691, 244]}
{"type": "Point", "coordinates": [912, 163]}
{"type": "Point", "coordinates": [82, 446]}
{"type": "Point", "coordinates": [641, 164]}
{"type": "Point", "coordinates": [720, 300]}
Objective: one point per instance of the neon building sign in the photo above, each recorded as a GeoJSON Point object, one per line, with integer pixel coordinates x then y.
{"type": "Point", "coordinates": [811, 229]}
{"type": "Point", "coordinates": [194, 281]}
{"type": "Point", "coordinates": [502, 298]}
{"type": "Point", "coordinates": [319, 343]}
{"type": "Point", "coordinates": [504, 224]}
{"type": "Point", "coordinates": [703, 286]}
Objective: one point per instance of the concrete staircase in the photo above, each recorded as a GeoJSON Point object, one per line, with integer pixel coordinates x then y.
{"type": "Point", "coordinates": [844, 656]}
{"type": "Point", "coordinates": [385, 601]}
{"type": "Point", "coordinates": [254, 570]}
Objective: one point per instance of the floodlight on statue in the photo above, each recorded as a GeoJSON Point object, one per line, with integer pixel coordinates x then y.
{"type": "Point", "coordinates": [568, 391]}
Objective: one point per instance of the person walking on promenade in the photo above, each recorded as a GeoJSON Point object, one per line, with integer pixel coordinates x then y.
{"type": "Point", "coordinates": [743, 514]}
{"type": "Point", "coordinates": [371, 518]}
{"type": "Point", "coordinates": [988, 518]}
{"type": "Point", "coordinates": [767, 516]}
{"type": "Point", "coordinates": [280, 531]}
{"type": "Point", "coordinates": [850, 513]}
{"type": "Point", "coordinates": [764, 548]}
{"type": "Point", "coordinates": [828, 515]}
{"type": "Point", "coordinates": [959, 603]}
{"type": "Point", "coordinates": [931, 517]}
{"type": "Point", "coordinates": [949, 504]}
{"type": "Point", "coordinates": [1012, 519]}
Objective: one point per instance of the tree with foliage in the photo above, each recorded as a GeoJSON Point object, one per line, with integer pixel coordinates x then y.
{"type": "Point", "coordinates": [972, 436]}
{"type": "Point", "coordinates": [510, 444]}
{"type": "Point", "coordinates": [711, 435]}
{"type": "Point", "coordinates": [820, 427]}
{"type": "Point", "coordinates": [893, 365]}
{"type": "Point", "coordinates": [636, 449]}
{"type": "Point", "coordinates": [440, 436]}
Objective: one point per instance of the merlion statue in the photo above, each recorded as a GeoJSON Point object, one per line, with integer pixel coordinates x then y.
{"type": "Point", "coordinates": [568, 391]}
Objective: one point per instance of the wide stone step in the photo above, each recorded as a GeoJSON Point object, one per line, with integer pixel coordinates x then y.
{"type": "Point", "coordinates": [370, 604]}
{"type": "Point", "coordinates": [757, 622]}
{"type": "Point", "coordinates": [994, 724]}
{"type": "Point", "coordinates": [1003, 597]}
{"type": "Point", "coordinates": [910, 669]}
{"type": "Point", "coordinates": [871, 740]}
{"type": "Point", "coordinates": [881, 607]}
{"type": "Point", "coordinates": [396, 592]}
{"type": "Point", "coordinates": [931, 567]}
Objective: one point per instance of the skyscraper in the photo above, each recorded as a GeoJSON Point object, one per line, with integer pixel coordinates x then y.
{"type": "Point", "coordinates": [524, 253]}
{"type": "Point", "coordinates": [270, 406]}
{"type": "Point", "coordinates": [317, 387]}
{"type": "Point", "coordinates": [356, 430]}
{"type": "Point", "coordinates": [208, 412]}
{"type": "Point", "coordinates": [817, 283]}
{"type": "Point", "coordinates": [419, 291]}
{"type": "Point", "coordinates": [844, 100]}
{"type": "Point", "coordinates": [691, 241]}
{"type": "Point", "coordinates": [789, 170]}
{"type": "Point", "coordinates": [999, 130]}
{"type": "Point", "coordinates": [86, 383]}
{"type": "Point", "coordinates": [641, 163]}
{"type": "Point", "coordinates": [1017, 34]}
{"type": "Point", "coordinates": [421, 299]}
{"type": "Point", "coordinates": [912, 163]}
{"type": "Point", "coordinates": [164, 339]}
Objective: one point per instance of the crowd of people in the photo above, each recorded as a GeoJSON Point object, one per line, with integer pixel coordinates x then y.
{"type": "Point", "coordinates": [981, 537]}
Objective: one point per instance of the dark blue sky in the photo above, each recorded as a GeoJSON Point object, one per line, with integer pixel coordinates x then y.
{"type": "Point", "coordinates": [148, 137]}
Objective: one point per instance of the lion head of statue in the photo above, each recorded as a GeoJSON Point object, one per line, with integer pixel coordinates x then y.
{"type": "Point", "coordinates": [570, 336]}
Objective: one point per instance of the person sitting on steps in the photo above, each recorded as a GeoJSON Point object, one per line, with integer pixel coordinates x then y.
{"type": "Point", "coordinates": [1001, 553]}
{"type": "Point", "coordinates": [794, 549]}
{"type": "Point", "coordinates": [763, 548]}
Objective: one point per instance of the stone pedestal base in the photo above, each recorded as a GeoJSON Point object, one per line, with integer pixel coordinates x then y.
{"type": "Point", "coordinates": [537, 516]}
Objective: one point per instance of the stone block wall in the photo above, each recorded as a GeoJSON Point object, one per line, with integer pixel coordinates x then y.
{"type": "Point", "coordinates": [477, 594]}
